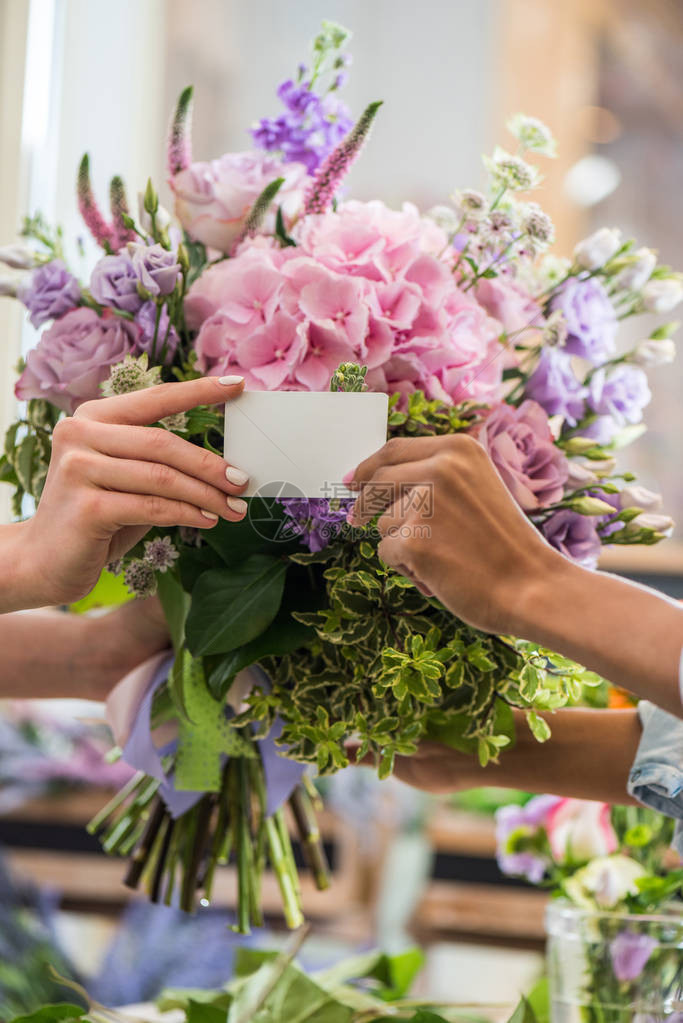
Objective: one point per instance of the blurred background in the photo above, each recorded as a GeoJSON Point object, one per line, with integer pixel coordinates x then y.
{"type": "Point", "coordinates": [77, 75]}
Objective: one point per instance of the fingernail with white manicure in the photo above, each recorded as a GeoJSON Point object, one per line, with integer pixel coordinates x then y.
{"type": "Point", "coordinates": [236, 504]}
{"type": "Point", "coordinates": [209, 515]}
{"type": "Point", "coordinates": [236, 476]}
{"type": "Point", "coordinates": [227, 381]}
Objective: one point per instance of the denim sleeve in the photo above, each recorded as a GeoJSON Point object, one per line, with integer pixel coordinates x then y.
{"type": "Point", "coordinates": [656, 778]}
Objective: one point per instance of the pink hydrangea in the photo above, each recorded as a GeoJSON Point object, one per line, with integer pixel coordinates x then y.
{"type": "Point", "coordinates": [364, 284]}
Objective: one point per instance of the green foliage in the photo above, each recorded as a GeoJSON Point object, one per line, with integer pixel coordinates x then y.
{"type": "Point", "coordinates": [28, 447]}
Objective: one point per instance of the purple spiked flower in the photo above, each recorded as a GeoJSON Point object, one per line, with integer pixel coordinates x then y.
{"type": "Point", "coordinates": [331, 172]}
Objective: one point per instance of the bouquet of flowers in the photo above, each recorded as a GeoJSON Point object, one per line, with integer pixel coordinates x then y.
{"type": "Point", "coordinates": [290, 635]}
{"type": "Point", "coordinates": [617, 946]}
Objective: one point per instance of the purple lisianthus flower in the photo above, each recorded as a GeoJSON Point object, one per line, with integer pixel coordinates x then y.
{"type": "Point", "coordinates": [590, 317]}
{"type": "Point", "coordinates": [50, 292]}
{"type": "Point", "coordinates": [629, 953]}
{"type": "Point", "coordinates": [74, 356]}
{"type": "Point", "coordinates": [114, 282]}
{"type": "Point", "coordinates": [573, 535]}
{"type": "Point", "coordinates": [167, 336]}
{"type": "Point", "coordinates": [519, 838]}
{"type": "Point", "coordinates": [156, 268]}
{"type": "Point", "coordinates": [314, 520]}
{"type": "Point", "coordinates": [620, 393]}
{"type": "Point", "coordinates": [554, 385]}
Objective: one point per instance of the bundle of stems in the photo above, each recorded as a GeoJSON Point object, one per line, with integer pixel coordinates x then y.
{"type": "Point", "coordinates": [175, 859]}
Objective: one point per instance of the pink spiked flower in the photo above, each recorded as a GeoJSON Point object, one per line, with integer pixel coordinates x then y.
{"type": "Point", "coordinates": [103, 233]}
{"type": "Point", "coordinates": [180, 134]}
{"type": "Point", "coordinates": [329, 175]}
{"type": "Point", "coordinates": [119, 211]}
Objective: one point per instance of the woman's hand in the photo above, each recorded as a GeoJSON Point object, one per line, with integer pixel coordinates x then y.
{"type": "Point", "coordinates": [110, 479]}
{"type": "Point", "coordinates": [452, 526]}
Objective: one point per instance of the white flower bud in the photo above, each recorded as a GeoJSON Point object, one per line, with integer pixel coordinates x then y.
{"type": "Point", "coordinates": [659, 523]}
{"type": "Point", "coordinates": [533, 134]}
{"type": "Point", "coordinates": [163, 217]}
{"type": "Point", "coordinates": [654, 352]}
{"type": "Point", "coordinates": [580, 476]}
{"type": "Point", "coordinates": [19, 256]}
{"type": "Point", "coordinates": [10, 281]}
{"type": "Point", "coordinates": [640, 497]}
{"type": "Point", "coordinates": [662, 295]}
{"type": "Point", "coordinates": [594, 251]}
{"type": "Point", "coordinates": [637, 271]}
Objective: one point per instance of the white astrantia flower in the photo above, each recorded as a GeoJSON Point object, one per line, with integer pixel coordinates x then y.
{"type": "Point", "coordinates": [532, 134]}
{"type": "Point", "coordinates": [636, 496]}
{"type": "Point", "coordinates": [511, 172]}
{"type": "Point", "coordinates": [637, 270]}
{"type": "Point", "coordinates": [593, 252]}
{"type": "Point", "coordinates": [653, 352]}
{"type": "Point", "coordinates": [537, 224]}
{"type": "Point", "coordinates": [471, 204]}
{"type": "Point", "coordinates": [19, 256]}
{"type": "Point", "coordinates": [662, 294]}
{"type": "Point", "coordinates": [133, 374]}
{"type": "Point", "coordinates": [445, 217]}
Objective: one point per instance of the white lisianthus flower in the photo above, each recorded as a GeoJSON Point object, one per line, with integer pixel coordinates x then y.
{"type": "Point", "coordinates": [637, 271]}
{"type": "Point", "coordinates": [662, 524]}
{"type": "Point", "coordinates": [605, 882]}
{"type": "Point", "coordinates": [580, 476]}
{"type": "Point", "coordinates": [532, 134]}
{"type": "Point", "coordinates": [654, 352]}
{"type": "Point", "coordinates": [19, 256]}
{"type": "Point", "coordinates": [593, 252]}
{"type": "Point", "coordinates": [640, 497]}
{"type": "Point", "coordinates": [662, 294]}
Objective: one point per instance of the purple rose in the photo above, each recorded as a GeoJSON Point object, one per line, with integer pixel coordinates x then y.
{"type": "Point", "coordinates": [554, 385]}
{"type": "Point", "coordinates": [521, 446]}
{"type": "Point", "coordinates": [591, 321]}
{"type": "Point", "coordinates": [519, 838]}
{"type": "Point", "coordinates": [629, 953]}
{"type": "Point", "coordinates": [50, 292]}
{"type": "Point", "coordinates": [73, 357]}
{"type": "Point", "coordinates": [156, 268]}
{"type": "Point", "coordinates": [166, 335]}
{"type": "Point", "coordinates": [573, 535]}
{"type": "Point", "coordinates": [114, 282]}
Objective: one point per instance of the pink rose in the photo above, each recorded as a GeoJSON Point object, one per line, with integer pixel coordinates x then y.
{"type": "Point", "coordinates": [504, 299]}
{"type": "Point", "coordinates": [73, 357]}
{"type": "Point", "coordinates": [580, 830]}
{"type": "Point", "coordinates": [213, 200]}
{"type": "Point", "coordinates": [520, 444]}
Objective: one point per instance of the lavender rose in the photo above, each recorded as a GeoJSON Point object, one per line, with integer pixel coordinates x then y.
{"type": "Point", "coordinates": [554, 385]}
{"type": "Point", "coordinates": [73, 358]}
{"type": "Point", "coordinates": [114, 282]}
{"type": "Point", "coordinates": [573, 535]}
{"type": "Point", "coordinates": [49, 292]}
{"type": "Point", "coordinates": [156, 268]}
{"type": "Point", "coordinates": [520, 445]}
{"type": "Point", "coordinates": [214, 199]}
{"type": "Point", "coordinates": [591, 321]}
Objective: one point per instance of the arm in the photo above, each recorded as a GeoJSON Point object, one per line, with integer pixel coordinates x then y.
{"type": "Point", "coordinates": [589, 756]}
{"type": "Point", "coordinates": [110, 479]}
{"type": "Point", "coordinates": [53, 654]}
{"type": "Point", "coordinates": [470, 545]}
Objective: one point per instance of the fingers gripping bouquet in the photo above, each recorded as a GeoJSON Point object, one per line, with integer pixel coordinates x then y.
{"type": "Point", "coordinates": [290, 635]}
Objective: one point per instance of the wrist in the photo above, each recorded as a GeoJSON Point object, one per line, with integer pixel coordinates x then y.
{"type": "Point", "coordinates": [542, 596]}
{"type": "Point", "coordinates": [22, 587]}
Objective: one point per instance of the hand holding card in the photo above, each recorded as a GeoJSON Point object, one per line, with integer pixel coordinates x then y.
{"type": "Point", "coordinates": [294, 443]}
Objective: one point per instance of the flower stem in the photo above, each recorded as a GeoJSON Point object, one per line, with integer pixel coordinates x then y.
{"type": "Point", "coordinates": [144, 848]}
{"type": "Point", "coordinates": [290, 898]}
{"type": "Point", "coordinates": [309, 833]}
{"type": "Point", "coordinates": [113, 805]}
